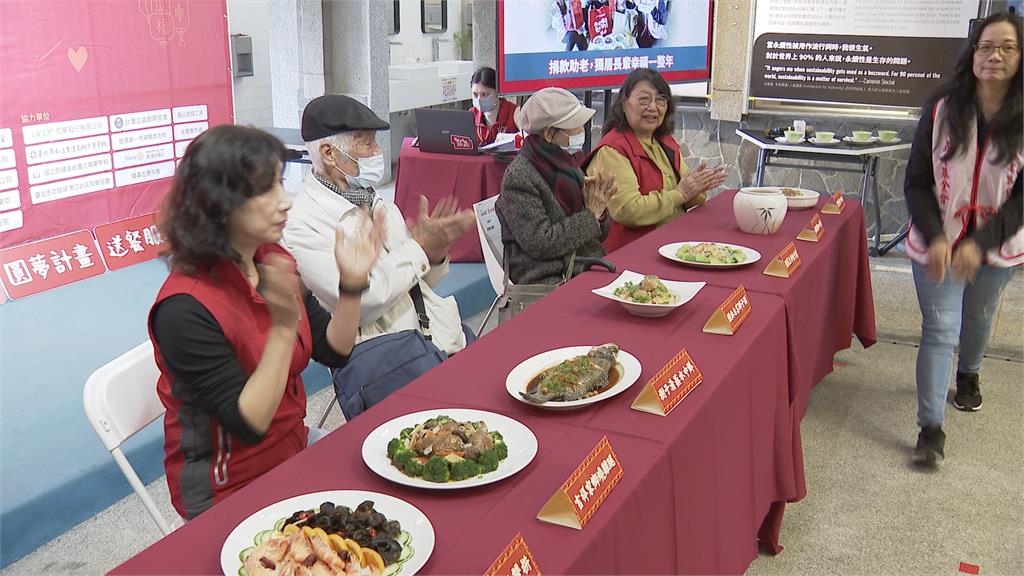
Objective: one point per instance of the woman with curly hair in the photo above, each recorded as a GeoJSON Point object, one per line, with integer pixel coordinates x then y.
{"type": "Point", "coordinates": [233, 327]}
{"type": "Point", "coordinates": [963, 192]}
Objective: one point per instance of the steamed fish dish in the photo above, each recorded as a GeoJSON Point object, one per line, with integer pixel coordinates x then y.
{"type": "Point", "coordinates": [575, 378]}
{"type": "Point", "coordinates": [711, 253]}
{"type": "Point", "coordinates": [651, 290]}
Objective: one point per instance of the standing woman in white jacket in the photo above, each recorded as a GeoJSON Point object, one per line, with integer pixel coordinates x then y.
{"type": "Point", "coordinates": [963, 192]}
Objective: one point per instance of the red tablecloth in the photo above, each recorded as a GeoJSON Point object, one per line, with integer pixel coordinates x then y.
{"type": "Point", "coordinates": [700, 485]}
{"type": "Point", "coordinates": [697, 484]}
{"type": "Point", "coordinates": [470, 178]}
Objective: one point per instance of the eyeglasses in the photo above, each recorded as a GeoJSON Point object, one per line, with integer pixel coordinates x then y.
{"type": "Point", "coordinates": [986, 49]}
{"type": "Point", "coordinates": [644, 100]}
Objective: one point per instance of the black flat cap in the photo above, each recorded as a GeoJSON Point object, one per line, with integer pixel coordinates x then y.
{"type": "Point", "coordinates": [333, 113]}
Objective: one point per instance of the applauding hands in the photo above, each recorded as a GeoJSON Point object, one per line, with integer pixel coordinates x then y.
{"type": "Point", "coordinates": [357, 254]}
{"type": "Point", "coordinates": [596, 192]}
{"type": "Point", "coordinates": [435, 231]}
{"type": "Point", "coordinates": [699, 181]}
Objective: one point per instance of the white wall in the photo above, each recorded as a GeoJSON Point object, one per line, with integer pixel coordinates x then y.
{"type": "Point", "coordinates": [253, 100]}
{"type": "Point", "coordinates": [416, 46]}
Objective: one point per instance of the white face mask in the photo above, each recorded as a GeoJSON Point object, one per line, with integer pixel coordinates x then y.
{"type": "Point", "coordinates": [371, 171]}
{"type": "Point", "coordinates": [576, 143]}
{"type": "Point", "coordinates": [486, 103]}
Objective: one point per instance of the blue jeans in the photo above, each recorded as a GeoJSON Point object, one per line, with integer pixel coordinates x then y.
{"type": "Point", "coordinates": [952, 312]}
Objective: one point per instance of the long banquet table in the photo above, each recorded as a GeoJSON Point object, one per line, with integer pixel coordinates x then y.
{"type": "Point", "coordinates": [699, 485]}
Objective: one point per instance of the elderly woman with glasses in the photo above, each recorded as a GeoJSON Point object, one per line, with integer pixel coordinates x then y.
{"type": "Point", "coordinates": [638, 149]}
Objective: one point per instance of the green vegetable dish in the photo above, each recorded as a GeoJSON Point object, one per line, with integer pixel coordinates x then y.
{"type": "Point", "coordinates": [650, 290]}
{"type": "Point", "coordinates": [711, 253]}
{"type": "Point", "coordinates": [445, 450]}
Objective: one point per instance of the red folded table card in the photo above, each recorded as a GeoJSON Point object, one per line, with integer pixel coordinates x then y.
{"type": "Point", "coordinates": [837, 204]}
{"type": "Point", "coordinates": [669, 386]}
{"type": "Point", "coordinates": [586, 489]}
{"type": "Point", "coordinates": [727, 318]}
{"type": "Point", "coordinates": [515, 560]}
{"type": "Point", "coordinates": [814, 230]}
{"type": "Point", "coordinates": [785, 263]}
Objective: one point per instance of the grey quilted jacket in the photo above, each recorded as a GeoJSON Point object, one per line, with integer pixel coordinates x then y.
{"type": "Point", "coordinates": [537, 235]}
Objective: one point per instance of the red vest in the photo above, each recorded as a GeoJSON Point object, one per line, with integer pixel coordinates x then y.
{"type": "Point", "coordinates": [505, 122]}
{"type": "Point", "coordinates": [202, 459]}
{"type": "Point", "coordinates": [647, 174]}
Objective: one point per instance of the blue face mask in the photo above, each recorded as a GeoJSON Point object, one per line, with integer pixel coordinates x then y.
{"type": "Point", "coordinates": [576, 143]}
{"type": "Point", "coordinates": [486, 103]}
{"type": "Point", "coordinates": [371, 172]}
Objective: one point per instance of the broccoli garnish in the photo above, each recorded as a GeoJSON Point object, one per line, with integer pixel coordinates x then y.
{"type": "Point", "coordinates": [402, 457]}
{"type": "Point", "coordinates": [436, 470]}
{"type": "Point", "coordinates": [488, 461]}
{"type": "Point", "coordinates": [501, 450]}
{"type": "Point", "coordinates": [413, 468]}
{"type": "Point", "coordinates": [464, 469]}
{"type": "Point", "coordinates": [394, 446]}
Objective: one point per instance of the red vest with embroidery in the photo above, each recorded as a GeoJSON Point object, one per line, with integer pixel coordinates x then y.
{"type": "Point", "coordinates": [969, 187]}
{"type": "Point", "coordinates": [192, 443]}
{"type": "Point", "coordinates": [505, 122]}
{"type": "Point", "coordinates": [647, 174]}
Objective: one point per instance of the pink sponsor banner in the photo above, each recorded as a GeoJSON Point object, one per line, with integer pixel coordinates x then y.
{"type": "Point", "coordinates": [129, 241]}
{"type": "Point", "coordinates": [96, 98]}
{"type": "Point", "coordinates": [37, 266]}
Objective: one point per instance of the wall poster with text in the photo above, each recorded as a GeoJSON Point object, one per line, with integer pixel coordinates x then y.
{"type": "Point", "coordinates": [98, 100]}
{"type": "Point", "coordinates": [865, 52]}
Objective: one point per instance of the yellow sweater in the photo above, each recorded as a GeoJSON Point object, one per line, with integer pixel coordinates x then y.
{"type": "Point", "coordinates": [628, 206]}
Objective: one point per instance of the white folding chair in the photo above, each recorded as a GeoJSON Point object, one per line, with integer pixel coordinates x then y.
{"type": "Point", "coordinates": [513, 298]}
{"type": "Point", "coordinates": [120, 399]}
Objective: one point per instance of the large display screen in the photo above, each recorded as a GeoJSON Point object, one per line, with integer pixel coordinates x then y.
{"type": "Point", "coordinates": [595, 44]}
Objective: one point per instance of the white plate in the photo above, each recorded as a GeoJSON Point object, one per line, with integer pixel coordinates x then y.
{"type": "Point", "coordinates": [808, 200]}
{"type": "Point", "coordinates": [782, 140]}
{"type": "Point", "coordinates": [521, 375]}
{"type": "Point", "coordinates": [817, 142]}
{"type": "Point", "coordinates": [893, 141]}
{"type": "Point", "coordinates": [522, 447]}
{"type": "Point", "coordinates": [412, 520]}
{"type": "Point", "coordinates": [669, 251]}
{"type": "Point", "coordinates": [683, 292]}
{"type": "Point", "coordinates": [850, 140]}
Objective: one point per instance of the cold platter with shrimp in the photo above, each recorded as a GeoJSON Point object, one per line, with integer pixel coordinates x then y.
{"type": "Point", "coordinates": [333, 539]}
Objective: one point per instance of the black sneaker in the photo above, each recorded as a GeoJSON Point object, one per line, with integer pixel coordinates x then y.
{"type": "Point", "coordinates": [931, 442]}
{"type": "Point", "coordinates": [968, 392]}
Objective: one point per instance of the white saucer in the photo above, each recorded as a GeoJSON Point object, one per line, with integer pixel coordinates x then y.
{"type": "Point", "coordinates": [850, 140]}
{"type": "Point", "coordinates": [782, 140]}
{"type": "Point", "coordinates": [817, 142]}
{"type": "Point", "coordinates": [893, 141]}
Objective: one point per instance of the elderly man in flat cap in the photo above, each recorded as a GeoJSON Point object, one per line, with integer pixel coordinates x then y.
{"type": "Point", "coordinates": [340, 134]}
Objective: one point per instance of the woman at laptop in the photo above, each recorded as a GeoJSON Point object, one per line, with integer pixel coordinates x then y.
{"type": "Point", "coordinates": [492, 115]}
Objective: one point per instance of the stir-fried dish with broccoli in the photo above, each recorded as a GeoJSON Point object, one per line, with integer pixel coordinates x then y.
{"type": "Point", "coordinates": [445, 450]}
{"type": "Point", "coordinates": [650, 290]}
{"type": "Point", "coordinates": [711, 253]}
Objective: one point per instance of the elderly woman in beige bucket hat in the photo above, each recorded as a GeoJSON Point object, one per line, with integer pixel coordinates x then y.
{"type": "Point", "coordinates": [548, 208]}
